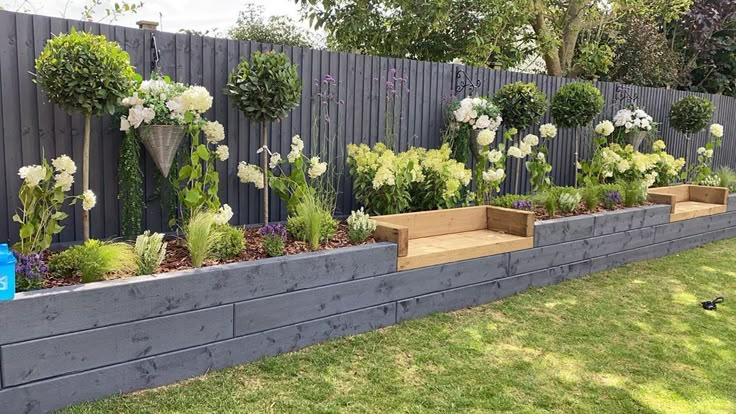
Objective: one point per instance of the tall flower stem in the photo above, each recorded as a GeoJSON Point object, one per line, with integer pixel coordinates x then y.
{"type": "Point", "coordinates": [264, 165]}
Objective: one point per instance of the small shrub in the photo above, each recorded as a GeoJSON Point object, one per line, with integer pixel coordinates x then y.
{"type": "Point", "coordinates": [274, 239]}
{"type": "Point", "coordinates": [201, 236]}
{"type": "Point", "coordinates": [691, 114]}
{"type": "Point", "coordinates": [576, 104]}
{"type": "Point", "coordinates": [711, 181]}
{"type": "Point", "coordinates": [507, 200]}
{"type": "Point", "coordinates": [312, 223]}
{"type": "Point", "coordinates": [94, 260]}
{"type": "Point", "coordinates": [521, 104]}
{"type": "Point", "coordinates": [633, 193]}
{"type": "Point", "coordinates": [591, 196]}
{"type": "Point", "coordinates": [360, 226]}
{"type": "Point", "coordinates": [150, 249]}
{"type": "Point", "coordinates": [550, 199]}
{"type": "Point", "coordinates": [230, 242]}
{"type": "Point", "coordinates": [65, 263]}
{"type": "Point", "coordinates": [569, 200]}
{"type": "Point", "coordinates": [611, 199]}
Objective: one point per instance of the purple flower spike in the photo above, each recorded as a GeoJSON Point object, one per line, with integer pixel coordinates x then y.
{"type": "Point", "coordinates": [273, 229]}
{"type": "Point", "coordinates": [521, 205]}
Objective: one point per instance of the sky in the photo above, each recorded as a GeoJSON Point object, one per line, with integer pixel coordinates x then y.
{"type": "Point", "coordinates": [174, 15]}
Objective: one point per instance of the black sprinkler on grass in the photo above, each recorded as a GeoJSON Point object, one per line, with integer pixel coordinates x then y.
{"type": "Point", "coordinates": [711, 304]}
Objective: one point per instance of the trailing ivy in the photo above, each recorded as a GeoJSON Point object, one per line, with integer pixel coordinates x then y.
{"type": "Point", "coordinates": [130, 190]}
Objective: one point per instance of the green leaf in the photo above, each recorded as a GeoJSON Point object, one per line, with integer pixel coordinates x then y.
{"type": "Point", "coordinates": [26, 231]}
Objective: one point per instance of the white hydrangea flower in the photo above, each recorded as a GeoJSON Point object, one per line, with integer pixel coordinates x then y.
{"type": "Point", "coordinates": [316, 168]}
{"type": "Point", "coordinates": [64, 163]}
{"type": "Point", "coordinates": [32, 174]}
{"type": "Point", "coordinates": [249, 173]}
{"type": "Point", "coordinates": [548, 131]}
{"type": "Point", "coordinates": [89, 200]}
{"type": "Point", "coordinates": [659, 145]}
{"type": "Point", "coordinates": [297, 143]}
{"type": "Point", "coordinates": [494, 175]}
{"type": "Point", "coordinates": [701, 151]}
{"type": "Point", "coordinates": [213, 131]}
{"type": "Point", "coordinates": [293, 155]}
{"type": "Point", "coordinates": [64, 180]}
{"type": "Point", "coordinates": [604, 128]}
{"type": "Point", "coordinates": [196, 99]}
{"type": "Point", "coordinates": [708, 153]}
{"type": "Point", "coordinates": [494, 156]}
{"type": "Point", "coordinates": [275, 160]}
{"type": "Point", "coordinates": [515, 152]}
{"type": "Point", "coordinates": [223, 215]}
{"type": "Point", "coordinates": [541, 157]}
{"type": "Point", "coordinates": [525, 148]}
{"type": "Point", "coordinates": [531, 140]}
{"type": "Point", "coordinates": [716, 130]}
{"type": "Point", "coordinates": [222, 152]}
{"type": "Point", "coordinates": [485, 137]}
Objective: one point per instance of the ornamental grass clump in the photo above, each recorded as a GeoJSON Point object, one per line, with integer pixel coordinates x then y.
{"type": "Point", "coordinates": [274, 239]}
{"type": "Point", "coordinates": [84, 73]}
{"type": "Point", "coordinates": [360, 226]}
{"type": "Point", "coordinates": [94, 260]}
{"type": "Point", "coordinates": [312, 223]}
{"type": "Point", "coordinates": [150, 249]}
{"type": "Point", "coordinates": [200, 236]}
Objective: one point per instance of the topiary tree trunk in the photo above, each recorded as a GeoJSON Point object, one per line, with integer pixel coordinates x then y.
{"type": "Point", "coordinates": [264, 166]}
{"type": "Point", "coordinates": [85, 173]}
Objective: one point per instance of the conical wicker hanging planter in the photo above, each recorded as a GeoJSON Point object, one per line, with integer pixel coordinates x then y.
{"type": "Point", "coordinates": [162, 142]}
{"type": "Point", "coordinates": [636, 138]}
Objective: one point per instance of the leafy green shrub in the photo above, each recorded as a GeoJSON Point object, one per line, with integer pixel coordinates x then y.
{"type": "Point", "coordinates": [230, 242]}
{"type": "Point", "coordinates": [360, 226]}
{"type": "Point", "coordinates": [550, 198]}
{"type": "Point", "coordinates": [691, 114]}
{"type": "Point", "coordinates": [507, 200]}
{"type": "Point", "coordinates": [150, 249]}
{"type": "Point", "coordinates": [633, 193]}
{"type": "Point", "coordinates": [569, 200]}
{"type": "Point", "coordinates": [576, 104]}
{"type": "Point", "coordinates": [591, 196]}
{"type": "Point", "coordinates": [521, 104]}
{"type": "Point", "coordinates": [94, 260]}
{"type": "Point", "coordinates": [200, 236]}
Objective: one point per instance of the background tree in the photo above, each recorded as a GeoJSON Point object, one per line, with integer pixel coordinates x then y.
{"type": "Point", "coordinates": [253, 25]}
{"type": "Point", "coordinates": [84, 73]}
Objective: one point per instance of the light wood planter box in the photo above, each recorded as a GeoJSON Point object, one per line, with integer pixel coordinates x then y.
{"type": "Point", "coordinates": [443, 236]}
{"type": "Point", "coordinates": [690, 201]}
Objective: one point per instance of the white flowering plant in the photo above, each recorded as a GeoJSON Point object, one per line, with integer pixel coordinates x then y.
{"type": "Point", "coordinates": [290, 185]}
{"type": "Point", "coordinates": [42, 195]}
{"type": "Point", "coordinates": [633, 119]}
{"type": "Point", "coordinates": [703, 167]}
{"type": "Point", "coordinates": [537, 164]}
{"type": "Point", "coordinates": [467, 118]}
{"type": "Point", "coordinates": [360, 226]}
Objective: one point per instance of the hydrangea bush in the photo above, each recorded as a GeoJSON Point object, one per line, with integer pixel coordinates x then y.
{"type": "Point", "coordinates": [537, 165]}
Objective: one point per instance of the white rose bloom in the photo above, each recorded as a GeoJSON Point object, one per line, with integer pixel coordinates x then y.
{"type": "Point", "coordinates": [477, 101]}
{"type": "Point", "coordinates": [716, 130]}
{"type": "Point", "coordinates": [548, 131]}
{"type": "Point", "coordinates": [64, 163]}
{"type": "Point", "coordinates": [222, 152]}
{"type": "Point", "coordinates": [604, 128]}
{"type": "Point", "coordinates": [132, 101]}
{"type": "Point", "coordinates": [248, 173]}
{"type": "Point", "coordinates": [485, 137]}
{"type": "Point", "coordinates": [64, 180]}
{"type": "Point", "coordinates": [494, 156]}
{"type": "Point", "coordinates": [540, 157]}
{"type": "Point", "coordinates": [148, 114]}
{"type": "Point", "coordinates": [483, 122]}
{"type": "Point", "coordinates": [472, 114]}
{"type": "Point", "coordinates": [316, 168]}
{"type": "Point", "coordinates": [213, 131]}
{"type": "Point", "coordinates": [32, 174]}
{"type": "Point", "coordinates": [531, 140]}
{"type": "Point", "coordinates": [175, 106]}
{"type": "Point", "coordinates": [515, 152]}
{"type": "Point", "coordinates": [459, 114]}
{"type": "Point", "coordinates": [223, 215]}
{"type": "Point", "coordinates": [124, 124]}
{"type": "Point", "coordinates": [196, 99]}
{"type": "Point", "coordinates": [275, 160]}
{"type": "Point", "coordinates": [89, 200]}
{"type": "Point", "coordinates": [135, 116]}
{"type": "Point", "coordinates": [525, 148]}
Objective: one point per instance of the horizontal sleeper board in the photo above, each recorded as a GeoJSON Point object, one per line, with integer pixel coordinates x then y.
{"type": "Point", "coordinates": [561, 230]}
{"type": "Point", "coordinates": [37, 359]}
{"type": "Point", "coordinates": [68, 309]}
{"type": "Point", "coordinates": [630, 219]}
{"type": "Point", "coordinates": [271, 312]}
{"type": "Point", "coordinates": [56, 393]}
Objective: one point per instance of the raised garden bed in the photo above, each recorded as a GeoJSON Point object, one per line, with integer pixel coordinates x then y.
{"type": "Point", "coordinates": [443, 236]}
{"type": "Point", "coordinates": [691, 201]}
{"type": "Point", "coordinates": [70, 344]}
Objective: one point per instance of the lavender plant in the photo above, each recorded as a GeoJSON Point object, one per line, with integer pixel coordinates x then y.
{"type": "Point", "coordinates": [611, 199]}
{"type": "Point", "coordinates": [522, 205]}
{"type": "Point", "coordinates": [29, 271]}
{"type": "Point", "coordinates": [274, 239]}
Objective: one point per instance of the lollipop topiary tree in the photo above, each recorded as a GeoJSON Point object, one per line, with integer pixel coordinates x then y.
{"type": "Point", "coordinates": [575, 105]}
{"type": "Point", "coordinates": [84, 73]}
{"type": "Point", "coordinates": [265, 89]}
{"type": "Point", "coordinates": [689, 116]}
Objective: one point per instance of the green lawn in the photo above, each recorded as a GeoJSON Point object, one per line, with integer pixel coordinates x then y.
{"type": "Point", "coordinates": [630, 340]}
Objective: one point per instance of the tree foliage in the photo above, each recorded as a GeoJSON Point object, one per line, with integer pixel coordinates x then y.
{"type": "Point", "coordinates": [576, 104]}
{"type": "Point", "coordinates": [691, 114]}
{"type": "Point", "coordinates": [253, 25]}
{"type": "Point", "coordinates": [521, 104]}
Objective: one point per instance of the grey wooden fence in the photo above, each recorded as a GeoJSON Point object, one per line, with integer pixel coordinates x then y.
{"type": "Point", "coordinates": [31, 126]}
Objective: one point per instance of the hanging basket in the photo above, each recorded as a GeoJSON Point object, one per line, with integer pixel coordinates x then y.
{"type": "Point", "coordinates": [636, 138]}
{"type": "Point", "coordinates": [162, 143]}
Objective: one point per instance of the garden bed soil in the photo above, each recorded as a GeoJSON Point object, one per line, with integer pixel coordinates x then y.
{"type": "Point", "coordinates": [541, 213]}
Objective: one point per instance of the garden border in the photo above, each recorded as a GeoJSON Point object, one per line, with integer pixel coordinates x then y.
{"type": "Point", "coordinates": [55, 345]}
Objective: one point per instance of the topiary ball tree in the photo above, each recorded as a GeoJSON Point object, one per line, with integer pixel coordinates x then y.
{"type": "Point", "coordinates": [87, 74]}
{"type": "Point", "coordinates": [521, 104]}
{"type": "Point", "coordinates": [691, 114]}
{"type": "Point", "coordinates": [576, 104]}
{"type": "Point", "coordinates": [265, 89]}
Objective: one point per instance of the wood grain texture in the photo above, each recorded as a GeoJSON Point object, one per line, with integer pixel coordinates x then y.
{"type": "Point", "coordinates": [393, 233]}
{"type": "Point", "coordinates": [712, 195]}
{"type": "Point", "coordinates": [439, 222]}
{"type": "Point", "coordinates": [691, 209]}
{"type": "Point", "coordinates": [507, 220]}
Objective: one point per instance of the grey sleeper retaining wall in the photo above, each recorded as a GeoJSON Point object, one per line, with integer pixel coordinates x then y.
{"type": "Point", "coordinates": [66, 345]}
